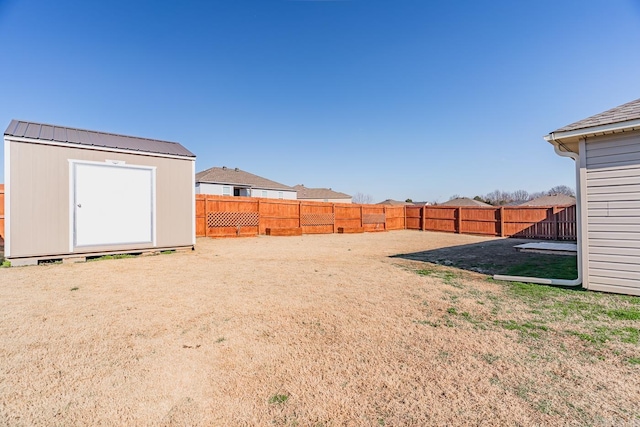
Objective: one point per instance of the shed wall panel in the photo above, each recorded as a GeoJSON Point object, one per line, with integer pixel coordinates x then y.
{"type": "Point", "coordinates": [40, 197]}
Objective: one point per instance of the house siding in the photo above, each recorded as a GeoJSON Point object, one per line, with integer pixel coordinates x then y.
{"type": "Point", "coordinates": [613, 214]}
{"type": "Point", "coordinates": [217, 190]}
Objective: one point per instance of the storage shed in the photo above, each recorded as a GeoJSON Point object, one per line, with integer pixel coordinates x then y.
{"type": "Point", "coordinates": [606, 148]}
{"type": "Point", "coordinates": [71, 193]}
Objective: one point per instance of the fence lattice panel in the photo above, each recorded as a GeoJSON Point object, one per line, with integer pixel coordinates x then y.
{"type": "Point", "coordinates": [232, 219]}
{"type": "Point", "coordinates": [316, 219]}
{"type": "Point", "coordinates": [373, 218]}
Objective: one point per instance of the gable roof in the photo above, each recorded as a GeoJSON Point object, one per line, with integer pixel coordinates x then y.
{"type": "Point", "coordinates": [318, 193]}
{"type": "Point", "coordinates": [551, 200]}
{"type": "Point", "coordinates": [225, 175]}
{"type": "Point", "coordinates": [391, 202]}
{"type": "Point", "coordinates": [54, 133]}
{"type": "Point", "coordinates": [464, 201]}
{"type": "Point", "coordinates": [619, 114]}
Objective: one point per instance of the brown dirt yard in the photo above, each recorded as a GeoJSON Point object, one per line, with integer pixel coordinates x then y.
{"type": "Point", "coordinates": [318, 330]}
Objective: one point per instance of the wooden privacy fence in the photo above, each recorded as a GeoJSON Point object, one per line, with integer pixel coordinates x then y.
{"type": "Point", "coordinates": [531, 222]}
{"type": "Point", "coordinates": [220, 216]}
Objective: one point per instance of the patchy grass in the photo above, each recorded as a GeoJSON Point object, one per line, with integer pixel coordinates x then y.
{"type": "Point", "coordinates": [448, 276]}
{"type": "Point", "coordinates": [278, 399]}
{"type": "Point", "coordinates": [115, 256]}
{"type": "Point", "coordinates": [593, 327]}
{"type": "Point", "coordinates": [556, 267]}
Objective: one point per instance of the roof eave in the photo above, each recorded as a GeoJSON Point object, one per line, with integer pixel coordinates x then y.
{"type": "Point", "coordinates": [577, 134]}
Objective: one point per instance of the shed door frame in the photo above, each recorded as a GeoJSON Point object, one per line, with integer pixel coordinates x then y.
{"type": "Point", "coordinates": [73, 201]}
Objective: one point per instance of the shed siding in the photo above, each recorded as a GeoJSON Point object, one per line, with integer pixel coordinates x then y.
{"type": "Point", "coordinates": [613, 214]}
{"type": "Point", "coordinates": [40, 198]}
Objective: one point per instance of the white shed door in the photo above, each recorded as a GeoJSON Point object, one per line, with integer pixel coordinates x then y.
{"type": "Point", "coordinates": [113, 204]}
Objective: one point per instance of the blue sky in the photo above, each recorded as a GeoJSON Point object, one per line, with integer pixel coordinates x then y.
{"type": "Point", "coordinates": [391, 98]}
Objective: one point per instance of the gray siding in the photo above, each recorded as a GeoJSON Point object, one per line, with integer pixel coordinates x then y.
{"type": "Point", "coordinates": [613, 214]}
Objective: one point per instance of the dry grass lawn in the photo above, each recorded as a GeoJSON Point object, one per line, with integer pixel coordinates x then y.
{"type": "Point", "coordinates": [319, 330]}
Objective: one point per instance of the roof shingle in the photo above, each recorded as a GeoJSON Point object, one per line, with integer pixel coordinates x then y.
{"type": "Point", "coordinates": [224, 175]}
{"type": "Point", "coordinates": [551, 200]}
{"type": "Point", "coordinates": [318, 193]}
{"type": "Point", "coordinates": [464, 201]}
{"type": "Point", "coordinates": [619, 114]}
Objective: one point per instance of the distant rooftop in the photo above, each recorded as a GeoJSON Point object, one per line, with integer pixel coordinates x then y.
{"type": "Point", "coordinates": [391, 202]}
{"type": "Point", "coordinates": [551, 200]}
{"type": "Point", "coordinates": [318, 193]}
{"type": "Point", "coordinates": [235, 176]}
{"type": "Point", "coordinates": [464, 201]}
{"type": "Point", "coordinates": [54, 133]}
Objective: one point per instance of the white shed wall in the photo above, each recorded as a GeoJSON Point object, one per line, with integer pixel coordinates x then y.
{"type": "Point", "coordinates": [612, 261]}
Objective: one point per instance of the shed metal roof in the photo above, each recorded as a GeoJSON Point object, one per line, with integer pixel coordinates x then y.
{"type": "Point", "coordinates": [54, 133]}
{"type": "Point", "coordinates": [235, 176]}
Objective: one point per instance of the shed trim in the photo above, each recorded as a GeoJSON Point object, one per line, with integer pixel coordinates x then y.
{"type": "Point", "coordinates": [73, 245]}
{"type": "Point", "coordinates": [193, 202]}
{"type": "Point", "coordinates": [95, 147]}
{"type": "Point", "coordinates": [7, 199]}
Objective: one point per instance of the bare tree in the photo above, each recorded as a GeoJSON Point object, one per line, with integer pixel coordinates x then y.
{"type": "Point", "coordinates": [520, 196]}
{"type": "Point", "coordinates": [362, 199]}
{"type": "Point", "coordinates": [562, 189]}
{"type": "Point", "coordinates": [498, 197]}
{"type": "Point", "coordinates": [455, 196]}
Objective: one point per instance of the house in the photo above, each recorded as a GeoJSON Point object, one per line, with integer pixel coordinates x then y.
{"type": "Point", "coordinates": [391, 202]}
{"type": "Point", "coordinates": [464, 202]}
{"type": "Point", "coordinates": [551, 200]}
{"type": "Point", "coordinates": [225, 181]}
{"type": "Point", "coordinates": [606, 150]}
{"type": "Point", "coordinates": [72, 193]}
{"type": "Point", "coordinates": [321, 195]}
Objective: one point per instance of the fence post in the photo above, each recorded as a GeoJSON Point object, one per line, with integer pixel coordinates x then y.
{"type": "Point", "coordinates": [404, 212]}
{"type": "Point", "coordinates": [458, 220]}
{"type": "Point", "coordinates": [299, 214]}
{"type": "Point", "coordinates": [361, 216]}
{"type": "Point", "coordinates": [259, 218]}
{"type": "Point", "coordinates": [423, 217]}
{"type": "Point", "coordinates": [206, 215]}
{"type": "Point", "coordinates": [501, 213]}
{"type": "Point", "coordinates": [384, 212]}
{"type": "Point", "coordinates": [333, 212]}
{"type": "Point", "coordinates": [554, 212]}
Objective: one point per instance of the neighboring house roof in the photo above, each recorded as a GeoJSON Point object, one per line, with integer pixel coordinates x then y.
{"type": "Point", "coordinates": [463, 201]}
{"type": "Point", "coordinates": [225, 175]}
{"type": "Point", "coordinates": [422, 203]}
{"type": "Point", "coordinates": [619, 114]}
{"type": "Point", "coordinates": [318, 193]}
{"type": "Point", "coordinates": [68, 135]}
{"type": "Point", "coordinates": [551, 200]}
{"type": "Point", "coordinates": [392, 202]}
